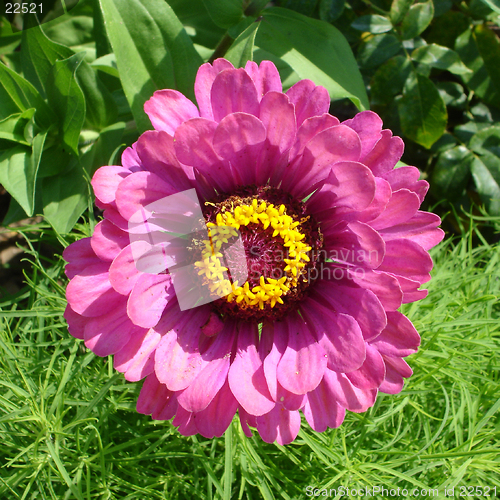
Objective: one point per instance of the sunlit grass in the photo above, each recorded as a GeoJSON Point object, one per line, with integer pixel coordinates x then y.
{"type": "Point", "coordinates": [69, 429]}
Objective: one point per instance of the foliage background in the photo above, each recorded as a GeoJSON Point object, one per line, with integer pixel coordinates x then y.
{"type": "Point", "coordinates": [72, 87]}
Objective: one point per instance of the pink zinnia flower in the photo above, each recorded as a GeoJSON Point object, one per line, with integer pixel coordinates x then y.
{"type": "Point", "coordinates": [317, 200]}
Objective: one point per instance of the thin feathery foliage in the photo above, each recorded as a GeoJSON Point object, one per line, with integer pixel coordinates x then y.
{"type": "Point", "coordinates": [69, 429]}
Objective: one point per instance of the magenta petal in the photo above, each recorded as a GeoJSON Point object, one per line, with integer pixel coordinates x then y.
{"type": "Point", "coordinates": [105, 182]}
{"type": "Point", "coordinates": [396, 369]}
{"type": "Point", "coordinates": [368, 125]}
{"type": "Point", "coordinates": [265, 77]}
{"type": "Point", "coordinates": [279, 425]}
{"type": "Point", "coordinates": [203, 85]}
{"type": "Point", "coordinates": [399, 338]}
{"type": "Point", "coordinates": [108, 334]}
{"type": "Point", "coordinates": [407, 259]}
{"type": "Point", "coordinates": [321, 411]}
{"type": "Point", "coordinates": [421, 228]}
{"type": "Point", "coordinates": [79, 255]}
{"type": "Point", "coordinates": [152, 395]}
{"type": "Point", "coordinates": [382, 196]}
{"type": "Point", "coordinates": [130, 160]}
{"type": "Point", "coordinates": [302, 365]}
{"type": "Point", "coordinates": [246, 375]}
{"type": "Point", "coordinates": [213, 325]}
{"type": "Point", "coordinates": [90, 293]}
{"type": "Point", "coordinates": [383, 285]}
{"type": "Point", "coordinates": [246, 420]}
{"type": "Point", "coordinates": [108, 240]}
{"type": "Point", "coordinates": [309, 99]}
{"type": "Point", "coordinates": [167, 109]}
{"type": "Point", "coordinates": [218, 415]}
{"type": "Point", "coordinates": [277, 337]}
{"type": "Point", "coordinates": [411, 293]}
{"type": "Point", "coordinates": [76, 322]}
{"type": "Point", "coordinates": [371, 373]}
{"type": "Point", "coordinates": [148, 299]}
{"type": "Point", "coordinates": [338, 334]}
{"type": "Point", "coordinates": [184, 420]}
{"type": "Point", "coordinates": [233, 91]}
{"type": "Point", "coordinates": [239, 139]}
{"type": "Point", "coordinates": [309, 128]}
{"type": "Point", "coordinates": [123, 272]}
{"type": "Point", "coordinates": [385, 154]}
{"type": "Point", "coordinates": [407, 177]}
{"type": "Point", "coordinates": [177, 357]}
{"type": "Point", "coordinates": [402, 206]}
{"type": "Point", "coordinates": [289, 400]}
{"type": "Point", "coordinates": [139, 190]}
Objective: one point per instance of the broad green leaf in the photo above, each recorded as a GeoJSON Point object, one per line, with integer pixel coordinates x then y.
{"type": "Point", "coordinates": [493, 5]}
{"type": "Point", "coordinates": [71, 30]}
{"type": "Point", "coordinates": [225, 13]}
{"type": "Point", "coordinates": [12, 128]}
{"type": "Point", "coordinates": [17, 94]}
{"type": "Point", "coordinates": [331, 10]}
{"type": "Point", "coordinates": [440, 57]}
{"type": "Point", "coordinates": [107, 64]}
{"type": "Point", "coordinates": [486, 141]}
{"type": "Point", "coordinates": [417, 19]}
{"type": "Point", "coordinates": [304, 7]}
{"type": "Point", "coordinates": [389, 79]}
{"type": "Point", "coordinates": [480, 52]}
{"type": "Point", "coordinates": [153, 51]}
{"type": "Point", "coordinates": [377, 49]}
{"type": "Point", "coordinates": [296, 40]}
{"type": "Point", "coordinates": [486, 173]}
{"type": "Point", "coordinates": [18, 171]}
{"type": "Point", "coordinates": [55, 160]}
{"type": "Point", "coordinates": [241, 50]}
{"type": "Point", "coordinates": [452, 93]}
{"type": "Point", "coordinates": [422, 112]}
{"type": "Point", "coordinates": [399, 8]}
{"type": "Point", "coordinates": [451, 173]}
{"type": "Point", "coordinates": [372, 23]}
{"type": "Point", "coordinates": [66, 98]}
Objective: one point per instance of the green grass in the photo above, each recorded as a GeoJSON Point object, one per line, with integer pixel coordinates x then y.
{"type": "Point", "coordinates": [69, 429]}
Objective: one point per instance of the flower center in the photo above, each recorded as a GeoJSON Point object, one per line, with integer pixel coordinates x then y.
{"type": "Point", "coordinates": [277, 245]}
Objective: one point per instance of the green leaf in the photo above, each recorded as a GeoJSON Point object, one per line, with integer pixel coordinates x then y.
{"type": "Point", "coordinates": [304, 7]}
{"type": "Point", "coordinates": [452, 93]}
{"type": "Point", "coordinates": [389, 79]}
{"type": "Point", "coordinates": [372, 23]}
{"type": "Point", "coordinates": [296, 39]}
{"type": "Point", "coordinates": [71, 30]}
{"type": "Point", "coordinates": [18, 171]}
{"type": "Point", "coordinates": [377, 49]}
{"type": "Point", "coordinates": [422, 112]}
{"type": "Point", "coordinates": [331, 10]}
{"type": "Point", "coordinates": [486, 173]}
{"type": "Point", "coordinates": [225, 13]}
{"type": "Point", "coordinates": [107, 64]}
{"type": "Point", "coordinates": [480, 52]}
{"type": "Point", "coordinates": [399, 8]}
{"type": "Point", "coordinates": [17, 94]}
{"type": "Point", "coordinates": [66, 98]}
{"type": "Point", "coordinates": [486, 141]}
{"type": "Point", "coordinates": [417, 19]}
{"type": "Point", "coordinates": [241, 50]}
{"type": "Point", "coordinates": [153, 51]}
{"type": "Point", "coordinates": [493, 5]}
{"type": "Point", "coordinates": [451, 173]}
{"type": "Point", "coordinates": [440, 57]}
{"type": "Point", "coordinates": [12, 128]}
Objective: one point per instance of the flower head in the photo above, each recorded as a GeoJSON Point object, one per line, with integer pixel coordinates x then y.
{"type": "Point", "coordinates": [333, 243]}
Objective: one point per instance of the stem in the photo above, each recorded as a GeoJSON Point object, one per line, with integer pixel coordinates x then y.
{"type": "Point", "coordinates": [228, 465]}
{"type": "Point", "coordinates": [221, 48]}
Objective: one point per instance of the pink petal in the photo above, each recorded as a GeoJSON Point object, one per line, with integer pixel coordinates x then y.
{"type": "Point", "coordinates": [218, 415]}
{"type": "Point", "coordinates": [232, 91]}
{"type": "Point", "coordinates": [385, 154]}
{"type": "Point", "coordinates": [130, 160]}
{"type": "Point", "coordinates": [79, 255]}
{"type": "Point", "coordinates": [309, 128]}
{"type": "Point", "coordinates": [167, 109]}
{"type": "Point", "coordinates": [368, 125]}
{"type": "Point", "coordinates": [302, 365]}
{"type": "Point", "coordinates": [213, 326]}
{"type": "Point", "coordinates": [184, 420]}
{"type": "Point", "coordinates": [246, 420]}
{"type": "Point", "coordinates": [76, 322]}
{"type": "Point", "coordinates": [371, 373]}
{"type": "Point", "coordinates": [152, 395]}
{"type": "Point", "coordinates": [139, 190]}
{"type": "Point", "coordinates": [105, 182]}
{"type": "Point", "coordinates": [383, 194]}
{"type": "Point", "coordinates": [421, 228]}
{"type": "Point", "coordinates": [265, 77]}
{"type": "Point", "coordinates": [239, 139]}
{"type": "Point", "coordinates": [407, 178]}
{"type": "Point", "coordinates": [203, 85]}
{"type": "Point", "coordinates": [108, 240]}
{"type": "Point", "coordinates": [309, 99]}
{"type": "Point", "coordinates": [279, 425]}
{"type": "Point", "coordinates": [90, 293]}
{"type": "Point", "coordinates": [246, 375]}
{"type": "Point", "coordinates": [408, 259]}
{"type": "Point", "coordinates": [399, 338]}
{"type": "Point", "coordinates": [321, 411]}
{"type": "Point", "coordinates": [123, 272]}
{"type": "Point", "coordinates": [193, 143]}
{"type": "Point", "coordinates": [110, 332]}
{"type": "Point", "coordinates": [338, 334]}
{"type": "Point", "coordinates": [411, 293]}
{"type": "Point", "coordinates": [402, 206]}
{"type": "Point", "coordinates": [277, 336]}
{"type": "Point", "coordinates": [396, 369]}
{"type": "Point", "coordinates": [148, 299]}
{"type": "Point", "coordinates": [289, 400]}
